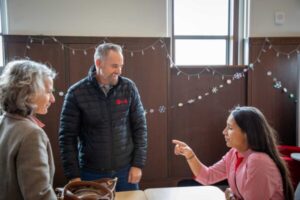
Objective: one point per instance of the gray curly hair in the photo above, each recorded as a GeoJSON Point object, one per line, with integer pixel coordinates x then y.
{"type": "Point", "coordinates": [20, 81]}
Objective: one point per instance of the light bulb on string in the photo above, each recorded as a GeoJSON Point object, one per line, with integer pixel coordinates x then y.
{"type": "Point", "coordinates": [73, 52]}
{"type": "Point", "coordinates": [62, 47]}
{"type": "Point", "coordinates": [277, 54]}
{"type": "Point", "coordinates": [142, 52]}
{"type": "Point", "coordinates": [131, 54]}
{"type": "Point", "coordinates": [85, 52]}
{"type": "Point", "coordinates": [153, 48]}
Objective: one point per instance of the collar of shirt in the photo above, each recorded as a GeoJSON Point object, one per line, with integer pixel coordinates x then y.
{"type": "Point", "coordinates": [105, 88]}
{"type": "Point", "coordinates": [240, 157]}
{"type": "Point", "coordinates": [36, 121]}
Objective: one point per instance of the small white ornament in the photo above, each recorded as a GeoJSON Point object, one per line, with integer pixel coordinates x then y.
{"type": "Point", "coordinates": [191, 101]}
{"type": "Point", "coordinates": [269, 73]}
{"type": "Point", "coordinates": [214, 90]}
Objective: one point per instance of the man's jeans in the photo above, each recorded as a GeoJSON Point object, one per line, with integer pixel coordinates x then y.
{"type": "Point", "coordinates": [122, 174]}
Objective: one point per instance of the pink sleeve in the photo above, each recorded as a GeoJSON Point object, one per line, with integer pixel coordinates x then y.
{"type": "Point", "coordinates": [215, 173]}
{"type": "Point", "coordinates": [263, 178]}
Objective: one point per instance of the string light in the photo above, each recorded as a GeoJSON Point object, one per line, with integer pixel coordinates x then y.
{"type": "Point", "coordinates": [207, 69]}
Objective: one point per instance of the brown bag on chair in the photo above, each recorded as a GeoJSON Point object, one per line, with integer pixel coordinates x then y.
{"type": "Point", "coordinates": [102, 189]}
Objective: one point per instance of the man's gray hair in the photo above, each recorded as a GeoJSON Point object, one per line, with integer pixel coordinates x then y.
{"type": "Point", "coordinates": [20, 81]}
{"type": "Point", "coordinates": [103, 49]}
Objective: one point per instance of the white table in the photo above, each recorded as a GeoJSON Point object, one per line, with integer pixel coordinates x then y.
{"type": "Point", "coordinates": [131, 195]}
{"type": "Point", "coordinates": [185, 193]}
{"type": "Point", "coordinates": [295, 156]}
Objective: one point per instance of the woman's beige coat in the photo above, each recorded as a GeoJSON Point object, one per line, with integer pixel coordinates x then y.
{"type": "Point", "coordinates": [26, 161]}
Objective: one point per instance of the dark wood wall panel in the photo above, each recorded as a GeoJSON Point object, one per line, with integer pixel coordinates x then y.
{"type": "Point", "coordinates": [275, 104]}
{"type": "Point", "coordinates": [200, 123]}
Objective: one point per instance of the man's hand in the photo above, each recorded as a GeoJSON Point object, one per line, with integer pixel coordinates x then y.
{"type": "Point", "coordinates": [135, 175]}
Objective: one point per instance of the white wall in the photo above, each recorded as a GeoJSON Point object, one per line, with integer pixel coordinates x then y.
{"type": "Point", "coordinates": [124, 18]}
{"type": "Point", "coordinates": [130, 18]}
{"type": "Point", "coordinates": [262, 14]}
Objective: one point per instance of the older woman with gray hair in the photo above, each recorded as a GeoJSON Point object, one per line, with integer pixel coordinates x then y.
{"type": "Point", "coordinates": [26, 161]}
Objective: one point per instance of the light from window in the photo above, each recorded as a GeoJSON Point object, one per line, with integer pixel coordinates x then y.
{"type": "Point", "coordinates": [201, 32]}
{"type": "Point", "coordinates": [1, 51]}
{"type": "Point", "coordinates": [200, 17]}
{"type": "Point", "coordinates": [1, 41]}
{"type": "Point", "coordinates": [200, 52]}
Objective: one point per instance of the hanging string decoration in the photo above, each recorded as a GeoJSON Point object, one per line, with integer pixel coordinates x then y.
{"type": "Point", "coordinates": [227, 78]}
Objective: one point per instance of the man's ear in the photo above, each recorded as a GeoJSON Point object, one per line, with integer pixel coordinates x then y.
{"type": "Point", "coordinates": [97, 62]}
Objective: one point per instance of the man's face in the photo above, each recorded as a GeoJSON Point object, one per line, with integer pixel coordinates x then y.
{"type": "Point", "coordinates": [110, 68]}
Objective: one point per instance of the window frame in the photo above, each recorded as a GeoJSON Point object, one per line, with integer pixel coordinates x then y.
{"type": "Point", "coordinates": [232, 37]}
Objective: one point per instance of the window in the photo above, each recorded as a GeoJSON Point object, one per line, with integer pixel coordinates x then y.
{"type": "Point", "coordinates": [205, 32]}
{"type": "Point", "coordinates": [1, 40]}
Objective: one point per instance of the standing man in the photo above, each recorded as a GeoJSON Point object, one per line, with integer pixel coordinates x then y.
{"type": "Point", "coordinates": [103, 131]}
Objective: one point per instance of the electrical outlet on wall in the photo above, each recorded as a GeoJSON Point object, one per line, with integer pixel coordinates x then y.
{"type": "Point", "coordinates": [279, 17]}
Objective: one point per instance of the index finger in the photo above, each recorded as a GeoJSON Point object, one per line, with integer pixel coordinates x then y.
{"type": "Point", "coordinates": [180, 143]}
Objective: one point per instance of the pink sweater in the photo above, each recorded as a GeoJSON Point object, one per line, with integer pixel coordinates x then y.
{"type": "Point", "coordinates": [257, 177]}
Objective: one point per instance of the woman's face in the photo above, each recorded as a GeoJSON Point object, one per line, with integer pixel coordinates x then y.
{"type": "Point", "coordinates": [234, 136]}
{"type": "Point", "coordinates": [44, 99]}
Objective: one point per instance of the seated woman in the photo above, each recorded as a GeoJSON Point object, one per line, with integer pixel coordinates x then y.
{"type": "Point", "coordinates": [252, 166]}
{"type": "Point", "coordinates": [26, 161]}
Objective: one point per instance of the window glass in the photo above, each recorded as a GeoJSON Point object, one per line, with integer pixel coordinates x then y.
{"type": "Point", "coordinates": [201, 17]}
{"type": "Point", "coordinates": [201, 33]}
{"type": "Point", "coordinates": [1, 52]}
{"type": "Point", "coordinates": [200, 52]}
{"type": "Point", "coordinates": [1, 41]}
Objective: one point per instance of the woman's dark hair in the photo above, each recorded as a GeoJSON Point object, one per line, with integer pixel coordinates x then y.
{"type": "Point", "coordinates": [261, 137]}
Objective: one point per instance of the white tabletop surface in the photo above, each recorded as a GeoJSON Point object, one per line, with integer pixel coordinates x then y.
{"type": "Point", "coordinates": [185, 193]}
{"type": "Point", "coordinates": [295, 156]}
{"type": "Point", "coordinates": [131, 195]}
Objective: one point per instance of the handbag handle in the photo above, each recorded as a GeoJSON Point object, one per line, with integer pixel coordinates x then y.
{"type": "Point", "coordinates": [69, 191]}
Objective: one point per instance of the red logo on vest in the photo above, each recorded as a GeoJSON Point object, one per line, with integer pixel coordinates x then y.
{"type": "Point", "coordinates": [120, 101]}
